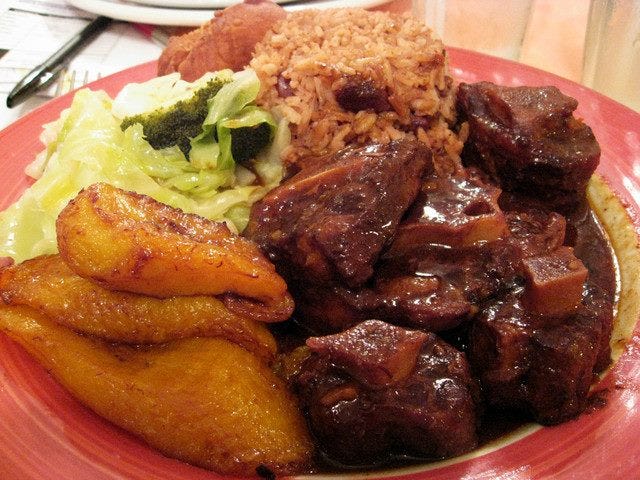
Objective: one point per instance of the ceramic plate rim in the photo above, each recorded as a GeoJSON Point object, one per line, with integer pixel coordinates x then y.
{"type": "Point", "coordinates": [195, 3]}
{"type": "Point", "coordinates": [37, 385]}
{"type": "Point", "coordinates": [185, 17]}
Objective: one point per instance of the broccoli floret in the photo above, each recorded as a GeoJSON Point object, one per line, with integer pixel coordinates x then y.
{"type": "Point", "coordinates": [214, 123]}
{"type": "Point", "coordinates": [178, 123]}
{"type": "Point", "coordinates": [246, 142]}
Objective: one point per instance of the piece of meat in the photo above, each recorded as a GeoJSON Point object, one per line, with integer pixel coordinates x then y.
{"type": "Point", "coordinates": [411, 301]}
{"type": "Point", "coordinates": [226, 41]}
{"type": "Point", "coordinates": [478, 271]}
{"type": "Point", "coordinates": [500, 352]}
{"type": "Point", "coordinates": [537, 364]}
{"type": "Point", "coordinates": [528, 139]}
{"type": "Point", "coordinates": [457, 212]}
{"type": "Point", "coordinates": [565, 360]}
{"type": "Point", "coordinates": [434, 288]}
{"type": "Point", "coordinates": [373, 352]}
{"type": "Point", "coordinates": [429, 412]}
{"type": "Point", "coordinates": [536, 232]}
{"type": "Point", "coordinates": [543, 364]}
{"type": "Point", "coordinates": [330, 223]}
{"type": "Point", "coordinates": [421, 301]}
{"type": "Point", "coordinates": [591, 246]}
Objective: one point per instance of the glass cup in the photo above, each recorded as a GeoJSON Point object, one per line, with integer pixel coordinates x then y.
{"type": "Point", "coordinates": [495, 27]}
{"type": "Point", "coordinates": [612, 50]}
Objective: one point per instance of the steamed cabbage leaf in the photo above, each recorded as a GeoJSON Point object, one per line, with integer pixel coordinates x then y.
{"type": "Point", "coordinates": [91, 147]}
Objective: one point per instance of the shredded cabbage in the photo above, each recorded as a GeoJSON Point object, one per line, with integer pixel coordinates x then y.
{"type": "Point", "coordinates": [90, 147]}
{"type": "Point", "coordinates": [164, 91]}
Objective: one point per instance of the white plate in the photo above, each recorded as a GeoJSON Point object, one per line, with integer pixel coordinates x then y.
{"type": "Point", "coordinates": [121, 10]}
{"type": "Point", "coordinates": [194, 3]}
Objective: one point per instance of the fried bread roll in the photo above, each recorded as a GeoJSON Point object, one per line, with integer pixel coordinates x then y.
{"type": "Point", "coordinates": [226, 41]}
{"type": "Point", "coordinates": [130, 242]}
{"type": "Point", "coordinates": [48, 285]}
{"type": "Point", "coordinates": [205, 401]}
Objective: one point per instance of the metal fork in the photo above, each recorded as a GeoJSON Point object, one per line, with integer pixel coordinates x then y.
{"type": "Point", "coordinates": [69, 80]}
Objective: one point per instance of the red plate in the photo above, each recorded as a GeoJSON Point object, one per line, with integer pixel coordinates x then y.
{"type": "Point", "coordinates": [46, 434]}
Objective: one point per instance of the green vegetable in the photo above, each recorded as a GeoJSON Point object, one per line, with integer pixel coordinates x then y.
{"type": "Point", "coordinates": [234, 130]}
{"type": "Point", "coordinates": [212, 115]}
{"type": "Point", "coordinates": [178, 123]}
{"type": "Point", "coordinates": [87, 145]}
{"type": "Point", "coordinates": [247, 142]}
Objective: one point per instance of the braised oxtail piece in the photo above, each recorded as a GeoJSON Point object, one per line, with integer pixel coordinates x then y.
{"type": "Point", "coordinates": [451, 211]}
{"type": "Point", "coordinates": [528, 139]}
{"type": "Point", "coordinates": [540, 365]}
{"type": "Point", "coordinates": [447, 254]}
{"type": "Point", "coordinates": [377, 390]}
{"type": "Point", "coordinates": [330, 222]}
{"type": "Point", "coordinates": [537, 348]}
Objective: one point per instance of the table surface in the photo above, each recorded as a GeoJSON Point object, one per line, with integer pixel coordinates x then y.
{"type": "Point", "coordinates": [554, 42]}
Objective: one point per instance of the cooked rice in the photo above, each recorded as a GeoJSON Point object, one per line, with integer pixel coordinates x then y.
{"type": "Point", "coordinates": [316, 50]}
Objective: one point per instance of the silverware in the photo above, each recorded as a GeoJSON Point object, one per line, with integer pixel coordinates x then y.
{"type": "Point", "coordinates": [43, 74]}
{"type": "Point", "coordinates": [69, 80]}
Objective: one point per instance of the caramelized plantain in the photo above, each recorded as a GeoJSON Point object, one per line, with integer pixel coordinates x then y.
{"type": "Point", "coordinates": [205, 401]}
{"type": "Point", "coordinates": [261, 312]}
{"type": "Point", "coordinates": [47, 284]}
{"type": "Point", "coordinates": [127, 241]}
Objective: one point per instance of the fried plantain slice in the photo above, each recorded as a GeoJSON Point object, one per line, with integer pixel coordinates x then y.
{"type": "Point", "coordinates": [47, 284]}
{"type": "Point", "coordinates": [127, 241]}
{"type": "Point", "coordinates": [205, 401]}
{"type": "Point", "coordinates": [248, 308]}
